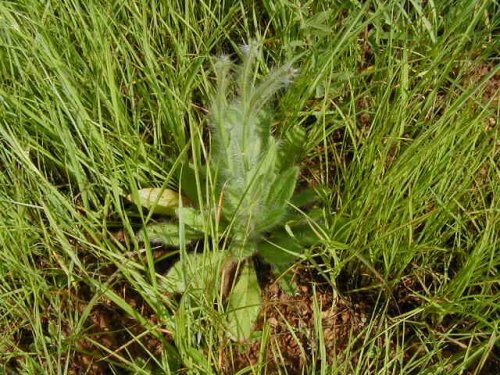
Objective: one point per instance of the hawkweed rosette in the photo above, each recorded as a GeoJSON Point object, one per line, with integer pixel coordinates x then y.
{"type": "Point", "coordinates": [252, 184]}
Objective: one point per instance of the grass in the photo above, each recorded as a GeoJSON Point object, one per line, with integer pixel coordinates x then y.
{"type": "Point", "coordinates": [99, 99]}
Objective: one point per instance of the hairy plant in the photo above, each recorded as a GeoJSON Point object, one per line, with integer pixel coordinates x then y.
{"type": "Point", "coordinates": [255, 177]}
{"type": "Point", "coordinates": [253, 180]}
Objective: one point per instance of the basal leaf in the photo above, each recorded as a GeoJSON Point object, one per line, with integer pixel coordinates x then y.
{"type": "Point", "coordinates": [188, 184]}
{"type": "Point", "coordinates": [194, 271]}
{"type": "Point", "coordinates": [282, 189]}
{"type": "Point", "coordinates": [166, 233]}
{"type": "Point", "coordinates": [280, 248]}
{"type": "Point", "coordinates": [244, 153]}
{"type": "Point", "coordinates": [304, 198]}
{"type": "Point", "coordinates": [244, 305]}
{"type": "Point", "coordinates": [160, 201]}
{"type": "Point", "coordinates": [190, 217]}
{"type": "Point", "coordinates": [242, 246]}
{"type": "Point", "coordinates": [283, 247]}
{"type": "Point", "coordinates": [292, 146]}
{"type": "Point", "coordinates": [271, 218]}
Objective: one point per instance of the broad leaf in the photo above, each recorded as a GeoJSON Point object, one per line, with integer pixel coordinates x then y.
{"type": "Point", "coordinates": [304, 198]}
{"type": "Point", "coordinates": [188, 182]}
{"type": "Point", "coordinates": [195, 271]}
{"type": "Point", "coordinates": [271, 218]}
{"type": "Point", "coordinates": [159, 201]}
{"type": "Point", "coordinates": [292, 147]}
{"type": "Point", "coordinates": [285, 247]}
{"type": "Point", "coordinates": [167, 234]}
{"type": "Point", "coordinates": [244, 305]}
{"type": "Point", "coordinates": [279, 194]}
{"type": "Point", "coordinates": [244, 153]}
{"type": "Point", "coordinates": [242, 247]}
{"type": "Point", "coordinates": [190, 217]}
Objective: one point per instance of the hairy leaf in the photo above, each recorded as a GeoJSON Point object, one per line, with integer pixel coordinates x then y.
{"type": "Point", "coordinates": [304, 198]}
{"type": "Point", "coordinates": [284, 247]}
{"type": "Point", "coordinates": [244, 304]}
{"type": "Point", "coordinates": [166, 233]}
{"type": "Point", "coordinates": [160, 201]}
{"type": "Point", "coordinates": [190, 217]}
{"type": "Point", "coordinates": [292, 146]}
{"type": "Point", "coordinates": [283, 188]}
{"type": "Point", "coordinates": [194, 271]}
{"type": "Point", "coordinates": [187, 178]}
{"type": "Point", "coordinates": [245, 155]}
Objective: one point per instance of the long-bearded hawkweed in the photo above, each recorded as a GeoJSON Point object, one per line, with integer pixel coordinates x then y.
{"type": "Point", "coordinates": [245, 156]}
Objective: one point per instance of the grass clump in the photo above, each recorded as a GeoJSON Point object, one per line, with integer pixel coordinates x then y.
{"type": "Point", "coordinates": [396, 109]}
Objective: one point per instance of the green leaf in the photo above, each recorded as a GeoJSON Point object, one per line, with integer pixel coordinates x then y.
{"type": "Point", "coordinates": [191, 217]}
{"type": "Point", "coordinates": [244, 305]}
{"type": "Point", "coordinates": [188, 184]}
{"type": "Point", "coordinates": [166, 233]}
{"type": "Point", "coordinates": [283, 188]}
{"type": "Point", "coordinates": [280, 248]}
{"type": "Point", "coordinates": [271, 218]}
{"type": "Point", "coordinates": [159, 201]}
{"type": "Point", "coordinates": [280, 192]}
{"type": "Point", "coordinates": [319, 23]}
{"type": "Point", "coordinates": [304, 198]}
{"type": "Point", "coordinates": [242, 246]}
{"type": "Point", "coordinates": [194, 271]}
{"type": "Point", "coordinates": [244, 153]}
{"type": "Point", "coordinates": [284, 247]}
{"type": "Point", "coordinates": [292, 146]}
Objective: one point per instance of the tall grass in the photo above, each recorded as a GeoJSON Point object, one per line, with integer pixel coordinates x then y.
{"type": "Point", "coordinates": [98, 99]}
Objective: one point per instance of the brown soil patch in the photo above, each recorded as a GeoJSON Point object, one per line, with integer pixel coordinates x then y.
{"type": "Point", "coordinates": [292, 321]}
{"type": "Point", "coordinates": [492, 86]}
{"type": "Point", "coordinates": [111, 333]}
